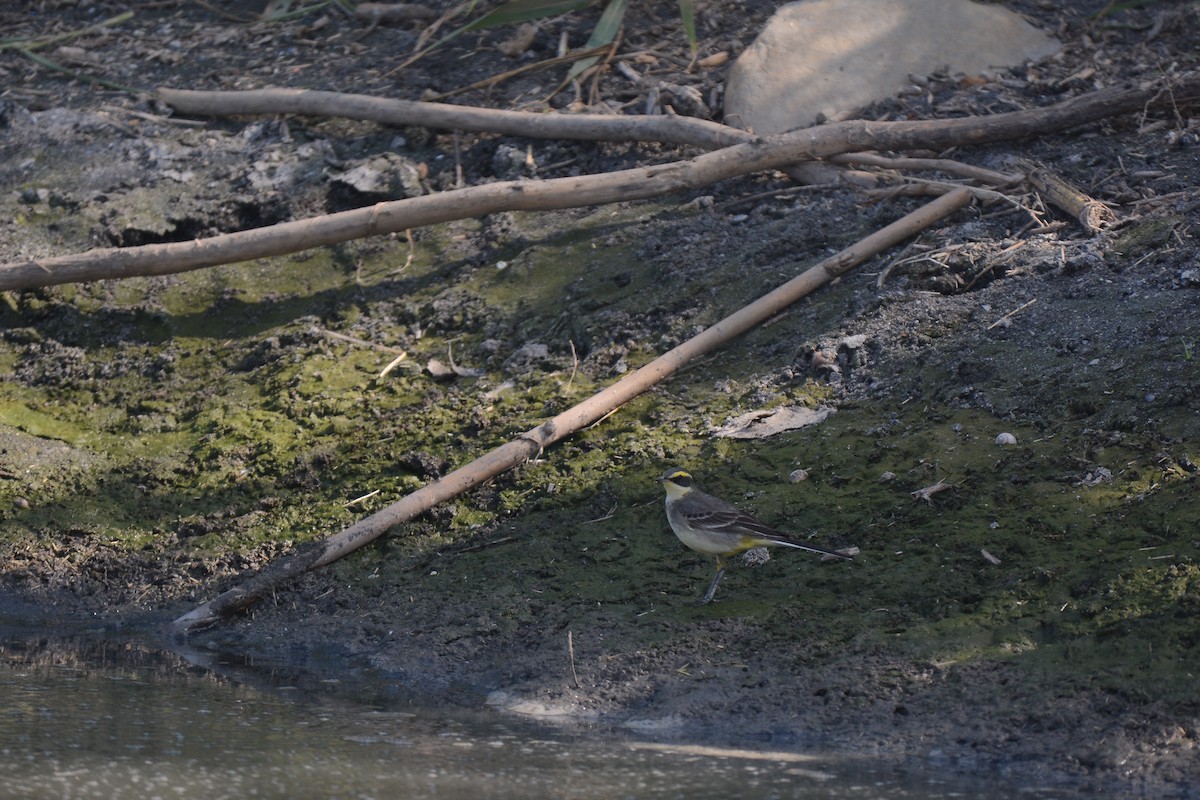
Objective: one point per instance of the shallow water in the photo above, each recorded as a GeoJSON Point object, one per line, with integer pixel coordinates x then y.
{"type": "Point", "coordinates": [103, 719]}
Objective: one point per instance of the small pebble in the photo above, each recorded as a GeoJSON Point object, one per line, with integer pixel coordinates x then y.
{"type": "Point", "coordinates": [21, 503]}
{"type": "Point", "coordinates": [1006, 438]}
{"type": "Point", "coordinates": [756, 556]}
{"type": "Point", "coordinates": [798, 475]}
{"type": "Point", "coordinates": [887, 477]}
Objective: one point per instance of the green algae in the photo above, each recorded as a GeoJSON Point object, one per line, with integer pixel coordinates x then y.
{"type": "Point", "coordinates": [16, 414]}
{"type": "Point", "coordinates": [1148, 235]}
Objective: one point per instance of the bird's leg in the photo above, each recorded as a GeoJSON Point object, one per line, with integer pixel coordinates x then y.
{"type": "Point", "coordinates": [712, 587]}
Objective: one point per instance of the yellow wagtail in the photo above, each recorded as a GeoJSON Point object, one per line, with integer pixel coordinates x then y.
{"type": "Point", "coordinates": [711, 526]}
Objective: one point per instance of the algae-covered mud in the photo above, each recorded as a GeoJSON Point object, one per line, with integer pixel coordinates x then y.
{"type": "Point", "coordinates": [1013, 449]}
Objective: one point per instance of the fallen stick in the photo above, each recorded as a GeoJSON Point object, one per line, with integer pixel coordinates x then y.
{"type": "Point", "coordinates": [596, 407]}
{"type": "Point", "coordinates": [1093, 215]}
{"type": "Point", "coordinates": [1004, 320]}
{"type": "Point", "coordinates": [445, 116]}
{"type": "Point", "coordinates": [677, 129]}
{"type": "Point", "coordinates": [769, 152]}
{"type": "Point", "coordinates": [947, 165]}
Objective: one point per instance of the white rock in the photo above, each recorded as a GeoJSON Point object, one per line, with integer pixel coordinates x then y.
{"type": "Point", "coordinates": [832, 57]}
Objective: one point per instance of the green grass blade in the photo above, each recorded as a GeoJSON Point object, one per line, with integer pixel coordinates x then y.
{"type": "Point", "coordinates": [604, 33]}
{"type": "Point", "coordinates": [687, 15]}
{"type": "Point", "coordinates": [610, 23]}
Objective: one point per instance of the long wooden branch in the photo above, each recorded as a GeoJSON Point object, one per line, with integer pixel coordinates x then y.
{"type": "Point", "coordinates": [532, 442]}
{"type": "Point", "coordinates": [669, 129]}
{"type": "Point", "coordinates": [444, 116]}
{"type": "Point", "coordinates": [633, 184]}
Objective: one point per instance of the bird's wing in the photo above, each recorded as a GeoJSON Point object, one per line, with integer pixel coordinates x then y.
{"type": "Point", "coordinates": [726, 520]}
{"type": "Point", "coordinates": [729, 519]}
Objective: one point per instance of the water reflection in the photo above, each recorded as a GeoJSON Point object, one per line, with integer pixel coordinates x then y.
{"type": "Point", "coordinates": [94, 718]}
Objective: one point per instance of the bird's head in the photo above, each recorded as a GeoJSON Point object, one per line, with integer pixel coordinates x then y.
{"type": "Point", "coordinates": [677, 482]}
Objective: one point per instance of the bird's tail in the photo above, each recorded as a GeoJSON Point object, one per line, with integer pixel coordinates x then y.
{"type": "Point", "coordinates": [786, 542]}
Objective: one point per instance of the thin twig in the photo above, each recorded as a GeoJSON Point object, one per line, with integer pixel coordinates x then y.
{"type": "Point", "coordinates": [928, 492]}
{"type": "Point", "coordinates": [487, 83]}
{"type": "Point", "coordinates": [412, 251]}
{"type": "Point", "coordinates": [946, 165]}
{"type": "Point", "coordinates": [361, 499]}
{"type": "Point", "coordinates": [574, 364]}
{"type": "Point", "coordinates": [939, 187]}
{"type": "Point", "coordinates": [1007, 316]}
{"type": "Point", "coordinates": [571, 656]}
{"type": "Point", "coordinates": [362, 342]}
{"type": "Point", "coordinates": [80, 76]}
{"type": "Point", "coordinates": [189, 123]}
{"type": "Point", "coordinates": [37, 44]}
{"type": "Point", "coordinates": [420, 50]}
{"type": "Point", "coordinates": [607, 515]}
{"type": "Point", "coordinates": [393, 364]}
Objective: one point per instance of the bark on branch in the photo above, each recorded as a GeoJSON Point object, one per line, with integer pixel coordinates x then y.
{"type": "Point", "coordinates": [645, 182]}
